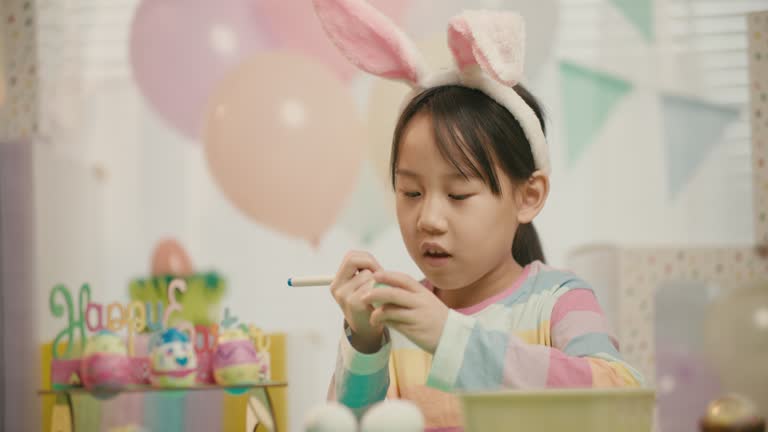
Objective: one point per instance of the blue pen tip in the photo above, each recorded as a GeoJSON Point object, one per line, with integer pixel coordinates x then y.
{"type": "Point", "coordinates": [290, 282]}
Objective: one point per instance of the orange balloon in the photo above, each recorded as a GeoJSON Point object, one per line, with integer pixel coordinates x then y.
{"type": "Point", "coordinates": [283, 143]}
{"type": "Point", "coordinates": [170, 258]}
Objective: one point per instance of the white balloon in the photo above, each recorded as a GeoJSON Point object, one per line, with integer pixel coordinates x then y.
{"type": "Point", "coordinates": [393, 415]}
{"type": "Point", "coordinates": [330, 417]}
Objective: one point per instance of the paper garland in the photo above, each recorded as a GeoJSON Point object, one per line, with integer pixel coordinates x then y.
{"type": "Point", "coordinates": [589, 98]}
{"type": "Point", "coordinates": [640, 13]}
{"type": "Point", "coordinates": [692, 128]}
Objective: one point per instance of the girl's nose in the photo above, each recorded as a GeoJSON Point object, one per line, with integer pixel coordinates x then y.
{"type": "Point", "coordinates": [431, 218]}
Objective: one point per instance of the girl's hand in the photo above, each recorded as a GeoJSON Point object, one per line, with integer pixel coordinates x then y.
{"type": "Point", "coordinates": [352, 282]}
{"type": "Point", "coordinates": [408, 307]}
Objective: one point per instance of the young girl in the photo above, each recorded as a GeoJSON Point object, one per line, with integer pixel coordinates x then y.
{"type": "Point", "coordinates": [470, 169]}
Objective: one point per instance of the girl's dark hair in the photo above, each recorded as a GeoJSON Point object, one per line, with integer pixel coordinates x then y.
{"type": "Point", "coordinates": [474, 132]}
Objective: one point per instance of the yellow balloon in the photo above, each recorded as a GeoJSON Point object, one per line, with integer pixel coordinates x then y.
{"type": "Point", "coordinates": [388, 98]}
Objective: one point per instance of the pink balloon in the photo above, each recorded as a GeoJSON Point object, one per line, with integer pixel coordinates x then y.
{"type": "Point", "coordinates": [283, 142]}
{"type": "Point", "coordinates": [295, 27]}
{"type": "Point", "coordinates": [181, 48]}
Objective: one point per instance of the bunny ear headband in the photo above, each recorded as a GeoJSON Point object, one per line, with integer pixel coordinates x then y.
{"type": "Point", "coordinates": [488, 49]}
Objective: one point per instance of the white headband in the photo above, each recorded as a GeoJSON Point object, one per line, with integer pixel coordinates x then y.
{"type": "Point", "coordinates": [488, 50]}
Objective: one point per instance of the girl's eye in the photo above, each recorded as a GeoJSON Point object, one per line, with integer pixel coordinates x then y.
{"type": "Point", "coordinates": [412, 194]}
{"type": "Point", "coordinates": [459, 197]}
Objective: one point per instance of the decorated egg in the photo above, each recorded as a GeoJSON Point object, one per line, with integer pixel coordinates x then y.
{"type": "Point", "coordinates": [173, 360]}
{"type": "Point", "coordinates": [236, 361]}
{"type": "Point", "coordinates": [105, 363]}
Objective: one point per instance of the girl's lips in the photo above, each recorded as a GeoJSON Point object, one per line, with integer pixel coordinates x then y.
{"type": "Point", "coordinates": [433, 248]}
{"type": "Point", "coordinates": [437, 260]}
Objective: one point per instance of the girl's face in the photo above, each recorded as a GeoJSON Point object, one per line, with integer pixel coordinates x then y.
{"type": "Point", "coordinates": [456, 230]}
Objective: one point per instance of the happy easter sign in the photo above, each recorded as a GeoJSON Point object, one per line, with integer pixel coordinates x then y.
{"type": "Point", "coordinates": [134, 317]}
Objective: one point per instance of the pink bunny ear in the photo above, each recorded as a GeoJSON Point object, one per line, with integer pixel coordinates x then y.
{"type": "Point", "coordinates": [493, 40]}
{"type": "Point", "coordinates": [370, 40]}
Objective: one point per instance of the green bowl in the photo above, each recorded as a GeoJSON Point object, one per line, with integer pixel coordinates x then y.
{"type": "Point", "coordinates": [571, 410]}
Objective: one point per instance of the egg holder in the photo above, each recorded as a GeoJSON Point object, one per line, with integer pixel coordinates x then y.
{"type": "Point", "coordinates": [227, 353]}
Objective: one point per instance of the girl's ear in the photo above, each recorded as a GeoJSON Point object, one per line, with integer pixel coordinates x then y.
{"type": "Point", "coordinates": [531, 196]}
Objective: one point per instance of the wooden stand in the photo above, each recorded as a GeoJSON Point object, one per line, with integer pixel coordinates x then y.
{"type": "Point", "coordinates": [260, 405]}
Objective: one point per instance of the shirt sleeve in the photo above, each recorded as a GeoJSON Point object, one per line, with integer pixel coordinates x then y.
{"type": "Point", "coordinates": [582, 353]}
{"type": "Point", "coordinates": [360, 380]}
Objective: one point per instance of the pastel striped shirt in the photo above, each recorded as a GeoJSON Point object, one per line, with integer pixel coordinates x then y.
{"type": "Point", "coordinates": [547, 330]}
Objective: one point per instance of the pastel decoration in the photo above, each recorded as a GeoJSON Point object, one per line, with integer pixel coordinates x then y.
{"type": "Point", "coordinates": [692, 128]}
{"type": "Point", "coordinates": [170, 258]}
{"type": "Point", "coordinates": [180, 49]}
{"type": "Point", "coordinates": [640, 13]}
{"type": "Point", "coordinates": [105, 363]}
{"type": "Point", "coordinates": [173, 306]}
{"type": "Point", "coordinates": [173, 360]}
{"type": "Point", "coordinates": [229, 320]}
{"type": "Point", "coordinates": [200, 302]}
{"type": "Point", "coordinates": [295, 29]}
{"type": "Point", "coordinates": [115, 317]}
{"type": "Point", "coordinates": [542, 21]}
{"type": "Point", "coordinates": [137, 322]}
{"type": "Point", "coordinates": [65, 373]}
{"type": "Point", "coordinates": [140, 369]}
{"type": "Point", "coordinates": [283, 141]}
{"type": "Point", "coordinates": [76, 323]}
{"type": "Point", "coordinates": [205, 368]}
{"type": "Point", "coordinates": [94, 310]}
{"type": "Point", "coordinates": [236, 360]}
{"type": "Point", "coordinates": [589, 99]}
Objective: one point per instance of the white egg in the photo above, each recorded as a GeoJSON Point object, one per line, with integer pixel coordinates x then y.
{"type": "Point", "coordinates": [393, 415]}
{"type": "Point", "coordinates": [330, 417]}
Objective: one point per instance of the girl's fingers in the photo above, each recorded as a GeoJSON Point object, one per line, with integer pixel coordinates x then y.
{"type": "Point", "coordinates": [390, 314]}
